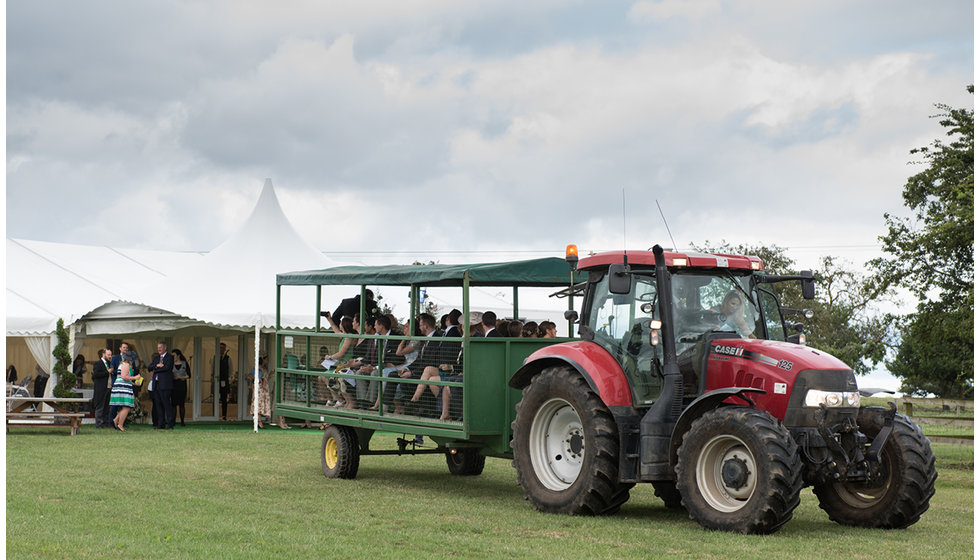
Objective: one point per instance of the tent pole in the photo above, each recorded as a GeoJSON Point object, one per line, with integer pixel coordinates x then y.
{"type": "Point", "coordinates": [255, 379]}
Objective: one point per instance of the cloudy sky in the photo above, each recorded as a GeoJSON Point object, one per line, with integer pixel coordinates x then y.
{"type": "Point", "coordinates": [397, 129]}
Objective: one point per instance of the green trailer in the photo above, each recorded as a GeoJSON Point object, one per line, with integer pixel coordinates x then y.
{"type": "Point", "coordinates": [482, 404]}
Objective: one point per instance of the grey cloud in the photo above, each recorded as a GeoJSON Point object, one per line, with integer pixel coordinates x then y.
{"type": "Point", "coordinates": [501, 124]}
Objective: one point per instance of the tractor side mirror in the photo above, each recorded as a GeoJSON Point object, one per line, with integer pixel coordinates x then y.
{"type": "Point", "coordinates": [620, 279]}
{"type": "Point", "coordinates": [571, 315]}
{"type": "Point", "coordinates": [807, 284]}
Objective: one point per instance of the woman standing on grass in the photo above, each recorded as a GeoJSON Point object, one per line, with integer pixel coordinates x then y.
{"type": "Point", "coordinates": [182, 372]}
{"type": "Point", "coordinates": [123, 394]}
{"type": "Point", "coordinates": [78, 368]}
{"type": "Point", "coordinates": [263, 401]}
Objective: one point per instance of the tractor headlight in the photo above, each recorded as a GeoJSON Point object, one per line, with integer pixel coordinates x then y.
{"type": "Point", "coordinates": [833, 399]}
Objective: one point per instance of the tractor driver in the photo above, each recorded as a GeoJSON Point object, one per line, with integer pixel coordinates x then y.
{"type": "Point", "coordinates": [732, 315]}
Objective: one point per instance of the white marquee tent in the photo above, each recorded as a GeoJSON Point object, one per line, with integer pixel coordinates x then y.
{"type": "Point", "coordinates": [106, 291]}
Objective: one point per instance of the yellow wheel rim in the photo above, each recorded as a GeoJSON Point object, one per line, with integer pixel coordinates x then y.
{"type": "Point", "coordinates": [330, 453]}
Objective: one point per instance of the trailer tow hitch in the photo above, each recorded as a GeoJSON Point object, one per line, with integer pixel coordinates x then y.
{"type": "Point", "coordinates": [404, 443]}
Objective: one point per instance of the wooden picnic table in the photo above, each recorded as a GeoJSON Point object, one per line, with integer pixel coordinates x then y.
{"type": "Point", "coordinates": [17, 410]}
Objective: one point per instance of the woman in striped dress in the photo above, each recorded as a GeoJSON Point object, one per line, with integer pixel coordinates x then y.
{"type": "Point", "coordinates": [123, 394]}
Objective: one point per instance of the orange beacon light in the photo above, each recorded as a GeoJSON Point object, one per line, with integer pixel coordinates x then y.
{"type": "Point", "coordinates": [571, 254]}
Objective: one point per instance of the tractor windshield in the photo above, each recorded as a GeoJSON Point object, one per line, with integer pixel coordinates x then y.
{"type": "Point", "coordinates": [707, 302]}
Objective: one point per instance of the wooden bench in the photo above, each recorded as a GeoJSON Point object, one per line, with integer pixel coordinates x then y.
{"type": "Point", "coordinates": [49, 420]}
{"type": "Point", "coordinates": [17, 409]}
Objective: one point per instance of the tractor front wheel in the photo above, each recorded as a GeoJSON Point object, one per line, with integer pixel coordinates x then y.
{"type": "Point", "coordinates": [340, 455]}
{"type": "Point", "coordinates": [566, 449]}
{"type": "Point", "coordinates": [738, 470]}
{"type": "Point", "coordinates": [899, 492]}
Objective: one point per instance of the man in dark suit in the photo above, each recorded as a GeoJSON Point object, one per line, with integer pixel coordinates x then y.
{"type": "Point", "coordinates": [352, 306]}
{"type": "Point", "coordinates": [452, 326]}
{"type": "Point", "coordinates": [224, 379]}
{"type": "Point", "coordinates": [100, 380]}
{"type": "Point", "coordinates": [490, 325]}
{"type": "Point", "coordinates": [162, 370]}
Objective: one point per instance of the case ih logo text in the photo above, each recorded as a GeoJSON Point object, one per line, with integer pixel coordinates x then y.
{"type": "Point", "coordinates": [727, 350]}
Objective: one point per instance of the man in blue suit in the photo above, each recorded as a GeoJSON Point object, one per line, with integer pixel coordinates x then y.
{"type": "Point", "coordinates": [162, 372]}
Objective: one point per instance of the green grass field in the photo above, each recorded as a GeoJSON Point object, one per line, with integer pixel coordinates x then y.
{"type": "Point", "coordinates": [225, 492]}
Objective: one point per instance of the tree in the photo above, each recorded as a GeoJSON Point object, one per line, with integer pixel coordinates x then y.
{"type": "Point", "coordinates": [936, 354]}
{"type": "Point", "coordinates": [931, 254]}
{"type": "Point", "coordinates": [845, 320]}
{"type": "Point", "coordinates": [62, 359]}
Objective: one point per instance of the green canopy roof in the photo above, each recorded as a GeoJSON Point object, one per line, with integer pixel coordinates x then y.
{"type": "Point", "coordinates": [549, 271]}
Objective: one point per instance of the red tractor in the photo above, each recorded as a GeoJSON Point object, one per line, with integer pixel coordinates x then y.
{"type": "Point", "coordinates": [688, 377]}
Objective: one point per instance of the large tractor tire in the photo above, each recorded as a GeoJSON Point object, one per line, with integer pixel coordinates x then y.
{"type": "Point", "coordinates": [566, 447]}
{"type": "Point", "coordinates": [900, 494]}
{"type": "Point", "coordinates": [465, 462]}
{"type": "Point", "coordinates": [738, 470]}
{"type": "Point", "coordinates": [340, 455]}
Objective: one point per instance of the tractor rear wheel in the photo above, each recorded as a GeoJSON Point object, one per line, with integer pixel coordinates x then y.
{"type": "Point", "coordinates": [566, 448]}
{"type": "Point", "coordinates": [738, 470]}
{"type": "Point", "coordinates": [465, 461]}
{"type": "Point", "coordinates": [340, 455]}
{"type": "Point", "coordinates": [901, 491]}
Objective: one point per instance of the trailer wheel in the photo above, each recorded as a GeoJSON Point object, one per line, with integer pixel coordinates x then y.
{"type": "Point", "coordinates": [667, 491]}
{"type": "Point", "coordinates": [339, 453]}
{"type": "Point", "coordinates": [901, 494]}
{"type": "Point", "coordinates": [566, 448]}
{"type": "Point", "coordinates": [738, 470]}
{"type": "Point", "coordinates": [465, 462]}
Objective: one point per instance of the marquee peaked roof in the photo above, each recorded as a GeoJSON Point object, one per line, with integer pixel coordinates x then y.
{"type": "Point", "coordinates": [233, 285]}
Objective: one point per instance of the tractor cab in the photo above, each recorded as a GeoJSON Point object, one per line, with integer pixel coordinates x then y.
{"type": "Point", "coordinates": [712, 297]}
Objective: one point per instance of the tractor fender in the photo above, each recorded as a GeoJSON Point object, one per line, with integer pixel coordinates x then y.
{"type": "Point", "coordinates": [708, 401]}
{"type": "Point", "coordinates": [601, 371]}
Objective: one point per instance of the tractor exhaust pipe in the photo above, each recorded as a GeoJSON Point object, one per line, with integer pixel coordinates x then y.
{"type": "Point", "coordinates": [658, 423]}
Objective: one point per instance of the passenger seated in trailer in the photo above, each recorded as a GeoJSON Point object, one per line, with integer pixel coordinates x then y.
{"type": "Point", "coordinates": [453, 328]}
{"type": "Point", "coordinates": [321, 391]}
{"type": "Point", "coordinates": [514, 329]}
{"type": "Point", "coordinates": [452, 370]}
{"type": "Point", "coordinates": [342, 357]}
{"type": "Point", "coordinates": [409, 351]}
{"type": "Point", "coordinates": [530, 330]}
{"type": "Point", "coordinates": [547, 329]}
{"type": "Point", "coordinates": [365, 390]}
{"type": "Point", "coordinates": [477, 328]}
{"type": "Point", "coordinates": [490, 325]}
{"type": "Point", "coordinates": [387, 367]}
{"type": "Point", "coordinates": [426, 365]}
{"type": "Point", "coordinates": [396, 328]}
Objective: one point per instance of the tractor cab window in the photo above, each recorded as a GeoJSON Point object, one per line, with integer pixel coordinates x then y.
{"type": "Point", "coordinates": [709, 305]}
{"type": "Point", "coordinates": [622, 326]}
